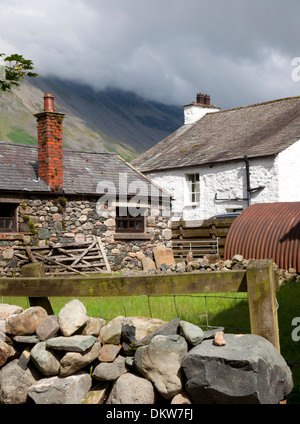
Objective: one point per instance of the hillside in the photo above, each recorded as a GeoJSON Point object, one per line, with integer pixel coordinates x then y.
{"type": "Point", "coordinates": [107, 120]}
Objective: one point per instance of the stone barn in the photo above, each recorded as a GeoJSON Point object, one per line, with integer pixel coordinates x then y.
{"type": "Point", "coordinates": [50, 196]}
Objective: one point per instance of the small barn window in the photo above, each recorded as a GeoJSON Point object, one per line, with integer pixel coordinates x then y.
{"type": "Point", "coordinates": [126, 223]}
{"type": "Point", "coordinates": [8, 217]}
{"type": "Point", "coordinates": [194, 188]}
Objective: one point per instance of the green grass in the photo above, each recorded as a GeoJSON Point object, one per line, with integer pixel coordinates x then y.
{"type": "Point", "coordinates": [19, 135]}
{"type": "Point", "coordinates": [226, 310]}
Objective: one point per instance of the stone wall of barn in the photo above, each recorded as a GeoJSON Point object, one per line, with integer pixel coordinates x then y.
{"type": "Point", "coordinates": [61, 220]}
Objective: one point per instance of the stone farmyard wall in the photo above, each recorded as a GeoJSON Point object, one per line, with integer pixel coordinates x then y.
{"type": "Point", "coordinates": [59, 220]}
{"type": "Point", "coordinates": [72, 358]}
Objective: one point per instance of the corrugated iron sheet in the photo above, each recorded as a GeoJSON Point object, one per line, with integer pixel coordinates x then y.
{"type": "Point", "coordinates": [267, 231]}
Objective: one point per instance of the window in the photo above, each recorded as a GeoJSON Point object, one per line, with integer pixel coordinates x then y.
{"type": "Point", "coordinates": [193, 188]}
{"type": "Point", "coordinates": [8, 217]}
{"type": "Point", "coordinates": [129, 223]}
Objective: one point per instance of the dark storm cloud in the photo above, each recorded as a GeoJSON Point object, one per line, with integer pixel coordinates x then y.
{"type": "Point", "coordinates": [238, 51]}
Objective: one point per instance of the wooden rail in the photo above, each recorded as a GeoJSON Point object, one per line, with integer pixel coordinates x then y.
{"type": "Point", "coordinates": [258, 281]}
{"type": "Point", "coordinates": [208, 230]}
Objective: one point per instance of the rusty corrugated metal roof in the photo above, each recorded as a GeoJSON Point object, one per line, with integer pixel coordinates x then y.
{"type": "Point", "coordinates": [267, 231]}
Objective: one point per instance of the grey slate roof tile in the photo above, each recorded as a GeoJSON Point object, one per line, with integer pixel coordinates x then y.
{"type": "Point", "coordinates": [256, 130]}
{"type": "Point", "coordinates": [82, 170]}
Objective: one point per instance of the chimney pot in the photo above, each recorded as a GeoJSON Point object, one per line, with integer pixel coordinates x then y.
{"type": "Point", "coordinates": [49, 103]}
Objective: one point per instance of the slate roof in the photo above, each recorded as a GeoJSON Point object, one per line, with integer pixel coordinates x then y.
{"type": "Point", "coordinates": [83, 170]}
{"type": "Point", "coordinates": [257, 130]}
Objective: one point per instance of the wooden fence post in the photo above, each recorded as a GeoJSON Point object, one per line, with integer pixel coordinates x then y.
{"type": "Point", "coordinates": [36, 270]}
{"type": "Point", "coordinates": [261, 289]}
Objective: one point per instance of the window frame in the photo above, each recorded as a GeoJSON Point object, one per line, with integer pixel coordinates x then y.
{"type": "Point", "coordinates": [14, 218]}
{"type": "Point", "coordinates": [122, 228]}
{"type": "Point", "coordinates": [193, 188]}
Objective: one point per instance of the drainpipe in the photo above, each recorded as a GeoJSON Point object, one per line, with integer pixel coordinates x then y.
{"type": "Point", "coordinates": [249, 189]}
{"type": "Point", "coordinates": [248, 180]}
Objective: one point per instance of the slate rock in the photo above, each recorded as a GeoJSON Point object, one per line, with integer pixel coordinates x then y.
{"type": "Point", "coordinates": [110, 371]}
{"type": "Point", "coordinates": [71, 317]}
{"type": "Point", "coordinates": [160, 362]}
{"type": "Point", "coordinates": [25, 323]}
{"type": "Point", "coordinates": [63, 391]}
{"type": "Point", "coordinates": [128, 339]}
{"type": "Point", "coordinates": [75, 361]}
{"type": "Point", "coordinates": [109, 352]}
{"type": "Point", "coordinates": [192, 333]}
{"type": "Point", "coordinates": [248, 370]}
{"type": "Point", "coordinates": [131, 389]}
{"type": "Point", "coordinates": [73, 344]}
{"type": "Point", "coordinates": [45, 360]}
{"type": "Point", "coordinates": [49, 328]}
{"type": "Point", "coordinates": [27, 339]}
{"type": "Point", "coordinates": [15, 382]}
{"type": "Point", "coordinates": [24, 358]}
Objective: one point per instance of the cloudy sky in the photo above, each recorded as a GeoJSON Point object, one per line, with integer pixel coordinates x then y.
{"type": "Point", "coordinates": [238, 51]}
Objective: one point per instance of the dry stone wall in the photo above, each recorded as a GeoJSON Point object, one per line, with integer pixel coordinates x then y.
{"type": "Point", "coordinates": [61, 220]}
{"type": "Point", "coordinates": [72, 358]}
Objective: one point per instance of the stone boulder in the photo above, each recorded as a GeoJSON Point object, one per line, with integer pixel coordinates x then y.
{"type": "Point", "coordinates": [248, 370]}
{"type": "Point", "coordinates": [26, 322]}
{"type": "Point", "coordinates": [15, 382]}
{"type": "Point", "coordinates": [56, 390]}
{"type": "Point", "coordinates": [163, 255]}
{"type": "Point", "coordinates": [72, 344]}
{"type": "Point", "coordinates": [160, 362]}
{"type": "Point", "coordinates": [46, 361]}
{"type": "Point", "coordinates": [6, 352]}
{"type": "Point", "coordinates": [7, 310]}
{"type": "Point", "coordinates": [132, 389]}
{"type": "Point", "coordinates": [71, 317]}
{"type": "Point", "coordinates": [110, 371]}
{"type": "Point", "coordinates": [48, 329]}
{"type": "Point", "coordinates": [75, 361]}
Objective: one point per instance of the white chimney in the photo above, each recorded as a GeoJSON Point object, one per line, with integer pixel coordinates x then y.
{"type": "Point", "coordinates": [196, 110]}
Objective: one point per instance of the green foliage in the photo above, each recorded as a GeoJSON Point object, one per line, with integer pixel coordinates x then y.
{"type": "Point", "coordinates": [15, 69]}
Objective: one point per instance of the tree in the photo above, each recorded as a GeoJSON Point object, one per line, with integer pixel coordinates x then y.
{"type": "Point", "coordinates": [15, 69]}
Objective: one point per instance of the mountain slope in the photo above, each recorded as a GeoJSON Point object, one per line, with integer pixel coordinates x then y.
{"type": "Point", "coordinates": [107, 120]}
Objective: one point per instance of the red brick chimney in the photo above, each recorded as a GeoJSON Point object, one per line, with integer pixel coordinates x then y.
{"type": "Point", "coordinates": [50, 145]}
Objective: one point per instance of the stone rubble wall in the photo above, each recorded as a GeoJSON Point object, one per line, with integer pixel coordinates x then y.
{"type": "Point", "coordinates": [72, 358]}
{"type": "Point", "coordinates": [76, 221]}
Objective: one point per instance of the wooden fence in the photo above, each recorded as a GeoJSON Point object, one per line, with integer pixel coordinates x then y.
{"type": "Point", "coordinates": [202, 231]}
{"type": "Point", "coordinates": [258, 281]}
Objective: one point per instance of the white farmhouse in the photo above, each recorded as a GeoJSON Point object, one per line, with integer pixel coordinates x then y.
{"type": "Point", "coordinates": [223, 161]}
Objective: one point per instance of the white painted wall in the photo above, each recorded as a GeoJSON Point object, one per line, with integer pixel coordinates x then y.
{"type": "Point", "coordinates": [194, 112]}
{"type": "Point", "coordinates": [228, 180]}
{"type": "Point", "coordinates": [289, 173]}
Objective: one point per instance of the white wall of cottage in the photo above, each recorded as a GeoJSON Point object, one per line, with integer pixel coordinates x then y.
{"type": "Point", "coordinates": [289, 173]}
{"type": "Point", "coordinates": [228, 180]}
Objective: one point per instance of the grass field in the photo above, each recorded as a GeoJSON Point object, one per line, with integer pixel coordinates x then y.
{"type": "Point", "coordinates": [226, 310]}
